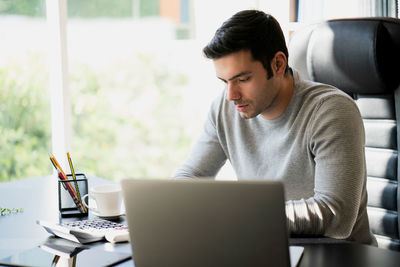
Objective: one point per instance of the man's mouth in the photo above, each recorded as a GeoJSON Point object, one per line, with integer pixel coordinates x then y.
{"type": "Point", "coordinates": [241, 108]}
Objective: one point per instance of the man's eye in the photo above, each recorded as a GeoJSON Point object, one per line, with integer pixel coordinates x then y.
{"type": "Point", "coordinates": [244, 79]}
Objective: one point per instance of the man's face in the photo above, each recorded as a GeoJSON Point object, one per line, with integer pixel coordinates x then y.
{"type": "Point", "coordinates": [247, 84]}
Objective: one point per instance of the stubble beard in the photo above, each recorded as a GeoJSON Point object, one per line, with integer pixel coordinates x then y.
{"type": "Point", "coordinates": [244, 115]}
{"type": "Point", "coordinates": [257, 112]}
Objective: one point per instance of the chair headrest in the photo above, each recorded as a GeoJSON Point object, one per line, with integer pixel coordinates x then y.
{"type": "Point", "coordinates": [355, 55]}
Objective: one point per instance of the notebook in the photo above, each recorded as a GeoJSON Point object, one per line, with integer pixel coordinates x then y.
{"type": "Point", "coordinates": [205, 222]}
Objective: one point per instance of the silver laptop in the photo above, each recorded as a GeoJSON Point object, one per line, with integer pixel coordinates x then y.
{"type": "Point", "coordinates": [206, 223]}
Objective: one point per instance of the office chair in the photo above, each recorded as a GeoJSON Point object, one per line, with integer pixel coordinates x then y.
{"type": "Point", "coordinates": [360, 57]}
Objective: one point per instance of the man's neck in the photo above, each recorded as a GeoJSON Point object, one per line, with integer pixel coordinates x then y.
{"type": "Point", "coordinates": [282, 99]}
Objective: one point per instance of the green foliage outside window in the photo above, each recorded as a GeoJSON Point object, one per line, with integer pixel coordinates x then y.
{"type": "Point", "coordinates": [24, 119]}
{"type": "Point", "coordinates": [31, 8]}
{"type": "Point", "coordinates": [83, 9]}
{"type": "Point", "coordinates": [100, 8]}
{"type": "Point", "coordinates": [127, 119]}
{"type": "Point", "coordinates": [149, 8]}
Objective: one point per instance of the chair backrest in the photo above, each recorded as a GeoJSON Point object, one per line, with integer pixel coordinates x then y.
{"type": "Point", "coordinates": [359, 56]}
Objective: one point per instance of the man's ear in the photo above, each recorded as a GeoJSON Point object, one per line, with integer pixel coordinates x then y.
{"type": "Point", "coordinates": [278, 64]}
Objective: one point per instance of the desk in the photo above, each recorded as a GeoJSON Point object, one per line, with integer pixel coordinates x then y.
{"type": "Point", "coordinates": [38, 197]}
{"type": "Point", "coordinates": [327, 253]}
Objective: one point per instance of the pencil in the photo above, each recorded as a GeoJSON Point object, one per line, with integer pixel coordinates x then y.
{"type": "Point", "coordinates": [74, 177]}
{"type": "Point", "coordinates": [70, 189]}
{"type": "Point", "coordinates": [53, 159]}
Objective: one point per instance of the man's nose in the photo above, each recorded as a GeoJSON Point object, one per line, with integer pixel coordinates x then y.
{"type": "Point", "coordinates": [233, 92]}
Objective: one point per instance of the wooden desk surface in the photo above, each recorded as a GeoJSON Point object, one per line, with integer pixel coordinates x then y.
{"type": "Point", "coordinates": [38, 197]}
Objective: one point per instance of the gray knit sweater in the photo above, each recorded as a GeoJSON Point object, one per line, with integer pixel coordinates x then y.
{"type": "Point", "coordinates": [316, 148]}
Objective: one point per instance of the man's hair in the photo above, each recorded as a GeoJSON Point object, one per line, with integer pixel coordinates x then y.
{"type": "Point", "coordinates": [249, 30]}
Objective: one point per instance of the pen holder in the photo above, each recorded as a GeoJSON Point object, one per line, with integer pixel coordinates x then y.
{"type": "Point", "coordinates": [66, 203]}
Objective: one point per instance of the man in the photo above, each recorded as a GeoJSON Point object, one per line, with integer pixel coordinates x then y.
{"type": "Point", "coordinates": [271, 124]}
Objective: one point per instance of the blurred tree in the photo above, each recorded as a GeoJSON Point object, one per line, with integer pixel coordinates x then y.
{"type": "Point", "coordinates": [127, 118]}
{"type": "Point", "coordinates": [100, 8]}
{"type": "Point", "coordinates": [125, 123]}
{"type": "Point", "coordinates": [31, 8]}
{"type": "Point", "coordinates": [149, 8]}
{"type": "Point", "coordinates": [83, 9]}
{"type": "Point", "coordinates": [24, 120]}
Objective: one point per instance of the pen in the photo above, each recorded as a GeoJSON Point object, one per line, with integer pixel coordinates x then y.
{"type": "Point", "coordinates": [74, 177]}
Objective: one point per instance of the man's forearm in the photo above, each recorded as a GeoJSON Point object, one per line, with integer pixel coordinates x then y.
{"type": "Point", "coordinates": [304, 217]}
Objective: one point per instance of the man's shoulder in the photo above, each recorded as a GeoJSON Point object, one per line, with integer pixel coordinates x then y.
{"type": "Point", "coordinates": [318, 93]}
{"type": "Point", "coordinates": [323, 102]}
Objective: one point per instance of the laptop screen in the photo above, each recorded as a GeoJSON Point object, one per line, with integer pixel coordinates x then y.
{"type": "Point", "coordinates": [206, 222]}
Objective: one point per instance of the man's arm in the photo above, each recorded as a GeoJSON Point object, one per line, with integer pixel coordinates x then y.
{"type": "Point", "coordinates": [336, 139]}
{"type": "Point", "coordinates": [207, 156]}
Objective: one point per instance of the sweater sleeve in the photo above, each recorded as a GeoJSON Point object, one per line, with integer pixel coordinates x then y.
{"type": "Point", "coordinates": [207, 156]}
{"type": "Point", "coordinates": [336, 139]}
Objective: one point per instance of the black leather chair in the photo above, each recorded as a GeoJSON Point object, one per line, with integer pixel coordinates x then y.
{"type": "Point", "coordinates": [360, 57]}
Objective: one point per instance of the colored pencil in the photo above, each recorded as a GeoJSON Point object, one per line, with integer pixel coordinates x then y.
{"type": "Point", "coordinates": [70, 189]}
{"type": "Point", "coordinates": [74, 177]}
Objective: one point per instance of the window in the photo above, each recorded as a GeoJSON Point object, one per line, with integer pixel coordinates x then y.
{"type": "Point", "coordinates": [140, 87]}
{"type": "Point", "coordinates": [135, 88]}
{"type": "Point", "coordinates": [317, 10]}
{"type": "Point", "coordinates": [129, 73]}
{"type": "Point", "coordinates": [25, 138]}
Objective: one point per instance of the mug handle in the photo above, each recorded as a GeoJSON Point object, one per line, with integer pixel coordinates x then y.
{"type": "Point", "coordinates": [86, 205]}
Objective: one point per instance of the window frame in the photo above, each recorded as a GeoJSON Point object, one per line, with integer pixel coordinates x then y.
{"type": "Point", "coordinates": [56, 16]}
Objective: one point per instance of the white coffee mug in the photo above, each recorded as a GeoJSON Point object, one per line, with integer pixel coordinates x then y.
{"type": "Point", "coordinates": [107, 199]}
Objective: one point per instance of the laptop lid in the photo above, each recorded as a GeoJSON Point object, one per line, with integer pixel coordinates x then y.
{"type": "Point", "coordinates": [206, 222]}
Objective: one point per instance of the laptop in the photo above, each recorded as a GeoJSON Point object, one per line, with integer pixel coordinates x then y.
{"type": "Point", "coordinates": [205, 222]}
